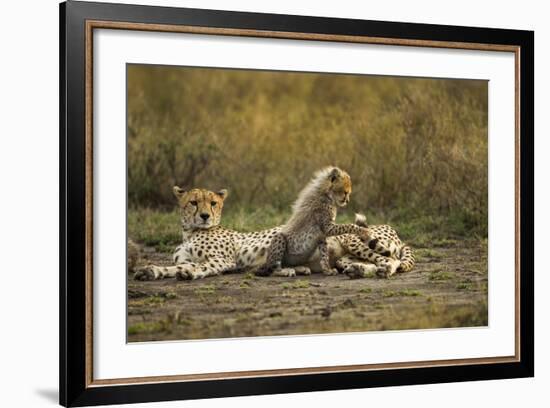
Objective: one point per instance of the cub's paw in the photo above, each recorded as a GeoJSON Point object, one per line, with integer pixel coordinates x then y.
{"type": "Point", "coordinates": [330, 272]}
{"type": "Point", "coordinates": [302, 270]}
{"type": "Point", "coordinates": [285, 272]}
{"type": "Point", "coordinates": [147, 273]}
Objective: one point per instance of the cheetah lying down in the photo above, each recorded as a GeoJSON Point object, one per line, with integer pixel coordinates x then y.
{"type": "Point", "coordinates": [208, 249]}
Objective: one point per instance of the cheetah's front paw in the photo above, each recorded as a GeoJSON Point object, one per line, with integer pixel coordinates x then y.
{"type": "Point", "coordinates": [189, 273]}
{"type": "Point", "coordinates": [359, 271]}
{"type": "Point", "coordinates": [147, 273]}
{"type": "Point", "coordinates": [183, 275]}
{"type": "Point", "coordinates": [383, 271]}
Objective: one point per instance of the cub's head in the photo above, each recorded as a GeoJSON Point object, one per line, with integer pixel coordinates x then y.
{"type": "Point", "coordinates": [339, 186]}
{"type": "Point", "coordinates": [200, 208]}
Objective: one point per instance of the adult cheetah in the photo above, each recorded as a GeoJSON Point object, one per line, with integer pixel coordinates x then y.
{"type": "Point", "coordinates": [209, 249]}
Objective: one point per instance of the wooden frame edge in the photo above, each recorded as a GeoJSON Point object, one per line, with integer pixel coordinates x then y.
{"type": "Point", "coordinates": [231, 375]}
{"type": "Point", "coordinates": [289, 35]}
{"type": "Point", "coordinates": [90, 25]}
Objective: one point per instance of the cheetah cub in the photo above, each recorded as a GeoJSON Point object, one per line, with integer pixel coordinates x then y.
{"type": "Point", "coordinates": [312, 221]}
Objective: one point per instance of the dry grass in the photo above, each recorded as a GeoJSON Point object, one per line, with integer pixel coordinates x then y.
{"type": "Point", "coordinates": [412, 146]}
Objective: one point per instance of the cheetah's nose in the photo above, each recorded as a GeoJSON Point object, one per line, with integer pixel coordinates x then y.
{"type": "Point", "coordinates": [205, 216]}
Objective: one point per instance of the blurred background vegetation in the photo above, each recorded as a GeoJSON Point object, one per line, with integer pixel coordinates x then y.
{"type": "Point", "coordinates": [416, 149]}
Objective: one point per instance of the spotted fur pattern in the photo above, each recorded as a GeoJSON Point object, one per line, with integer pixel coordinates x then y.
{"type": "Point", "coordinates": [312, 222]}
{"type": "Point", "coordinates": [207, 248]}
{"type": "Point", "coordinates": [390, 254]}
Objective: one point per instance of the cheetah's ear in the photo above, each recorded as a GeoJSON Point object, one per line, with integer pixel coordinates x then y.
{"type": "Point", "coordinates": [334, 174]}
{"type": "Point", "coordinates": [223, 193]}
{"type": "Point", "coordinates": [178, 191]}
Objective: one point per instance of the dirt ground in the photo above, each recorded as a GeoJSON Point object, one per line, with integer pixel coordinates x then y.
{"type": "Point", "coordinates": [447, 288]}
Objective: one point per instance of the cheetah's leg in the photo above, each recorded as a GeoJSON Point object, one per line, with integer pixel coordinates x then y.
{"type": "Point", "coordinates": [211, 267]}
{"type": "Point", "coordinates": [274, 257]}
{"type": "Point", "coordinates": [324, 259]}
{"type": "Point", "coordinates": [153, 272]}
{"type": "Point", "coordinates": [387, 265]}
{"type": "Point", "coordinates": [381, 246]}
{"type": "Point", "coordinates": [407, 259]}
{"type": "Point", "coordinates": [356, 268]}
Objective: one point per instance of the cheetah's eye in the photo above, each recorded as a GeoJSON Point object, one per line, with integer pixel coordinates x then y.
{"type": "Point", "coordinates": [213, 203]}
{"type": "Point", "coordinates": [193, 203]}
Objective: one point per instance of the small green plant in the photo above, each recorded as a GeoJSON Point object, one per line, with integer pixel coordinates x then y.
{"type": "Point", "coordinates": [148, 327]}
{"type": "Point", "coordinates": [444, 242]}
{"type": "Point", "coordinates": [300, 284]}
{"type": "Point", "coordinates": [425, 254]}
{"type": "Point", "coordinates": [409, 292]}
{"type": "Point", "coordinates": [169, 295]}
{"type": "Point", "coordinates": [249, 276]}
{"type": "Point", "coordinates": [154, 300]}
{"type": "Point", "coordinates": [437, 276]}
{"type": "Point", "coordinates": [404, 292]}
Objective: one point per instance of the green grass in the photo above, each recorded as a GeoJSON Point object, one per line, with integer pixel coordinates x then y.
{"type": "Point", "coordinates": [148, 328]}
{"type": "Point", "coordinates": [250, 276]}
{"type": "Point", "coordinates": [466, 284]}
{"type": "Point", "coordinates": [205, 290]}
{"type": "Point", "coordinates": [297, 284]}
{"type": "Point", "coordinates": [155, 228]}
{"type": "Point", "coordinates": [410, 292]}
{"type": "Point", "coordinates": [150, 301]}
{"type": "Point", "coordinates": [300, 284]}
{"type": "Point", "coordinates": [403, 293]}
{"type": "Point", "coordinates": [389, 293]}
{"type": "Point", "coordinates": [426, 254]}
{"type": "Point", "coordinates": [440, 276]}
{"type": "Point", "coordinates": [161, 229]}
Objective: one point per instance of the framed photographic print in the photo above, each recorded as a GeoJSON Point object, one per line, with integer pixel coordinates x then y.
{"type": "Point", "coordinates": [256, 203]}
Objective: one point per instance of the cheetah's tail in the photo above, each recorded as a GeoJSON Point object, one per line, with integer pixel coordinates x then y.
{"type": "Point", "coordinates": [361, 220]}
{"type": "Point", "coordinates": [407, 259]}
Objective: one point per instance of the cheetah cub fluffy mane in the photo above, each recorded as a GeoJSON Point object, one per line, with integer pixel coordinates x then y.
{"type": "Point", "coordinates": [312, 222]}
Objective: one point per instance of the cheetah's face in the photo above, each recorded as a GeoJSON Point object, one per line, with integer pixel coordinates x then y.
{"type": "Point", "coordinates": [340, 187]}
{"type": "Point", "coordinates": [200, 208]}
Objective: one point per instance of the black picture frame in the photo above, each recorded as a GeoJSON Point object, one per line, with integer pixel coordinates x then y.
{"type": "Point", "coordinates": [75, 390]}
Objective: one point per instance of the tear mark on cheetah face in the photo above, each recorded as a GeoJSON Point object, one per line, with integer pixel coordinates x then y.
{"type": "Point", "coordinates": [200, 208]}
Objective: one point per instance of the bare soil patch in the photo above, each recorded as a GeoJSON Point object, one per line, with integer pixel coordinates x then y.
{"type": "Point", "coordinates": [447, 288]}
